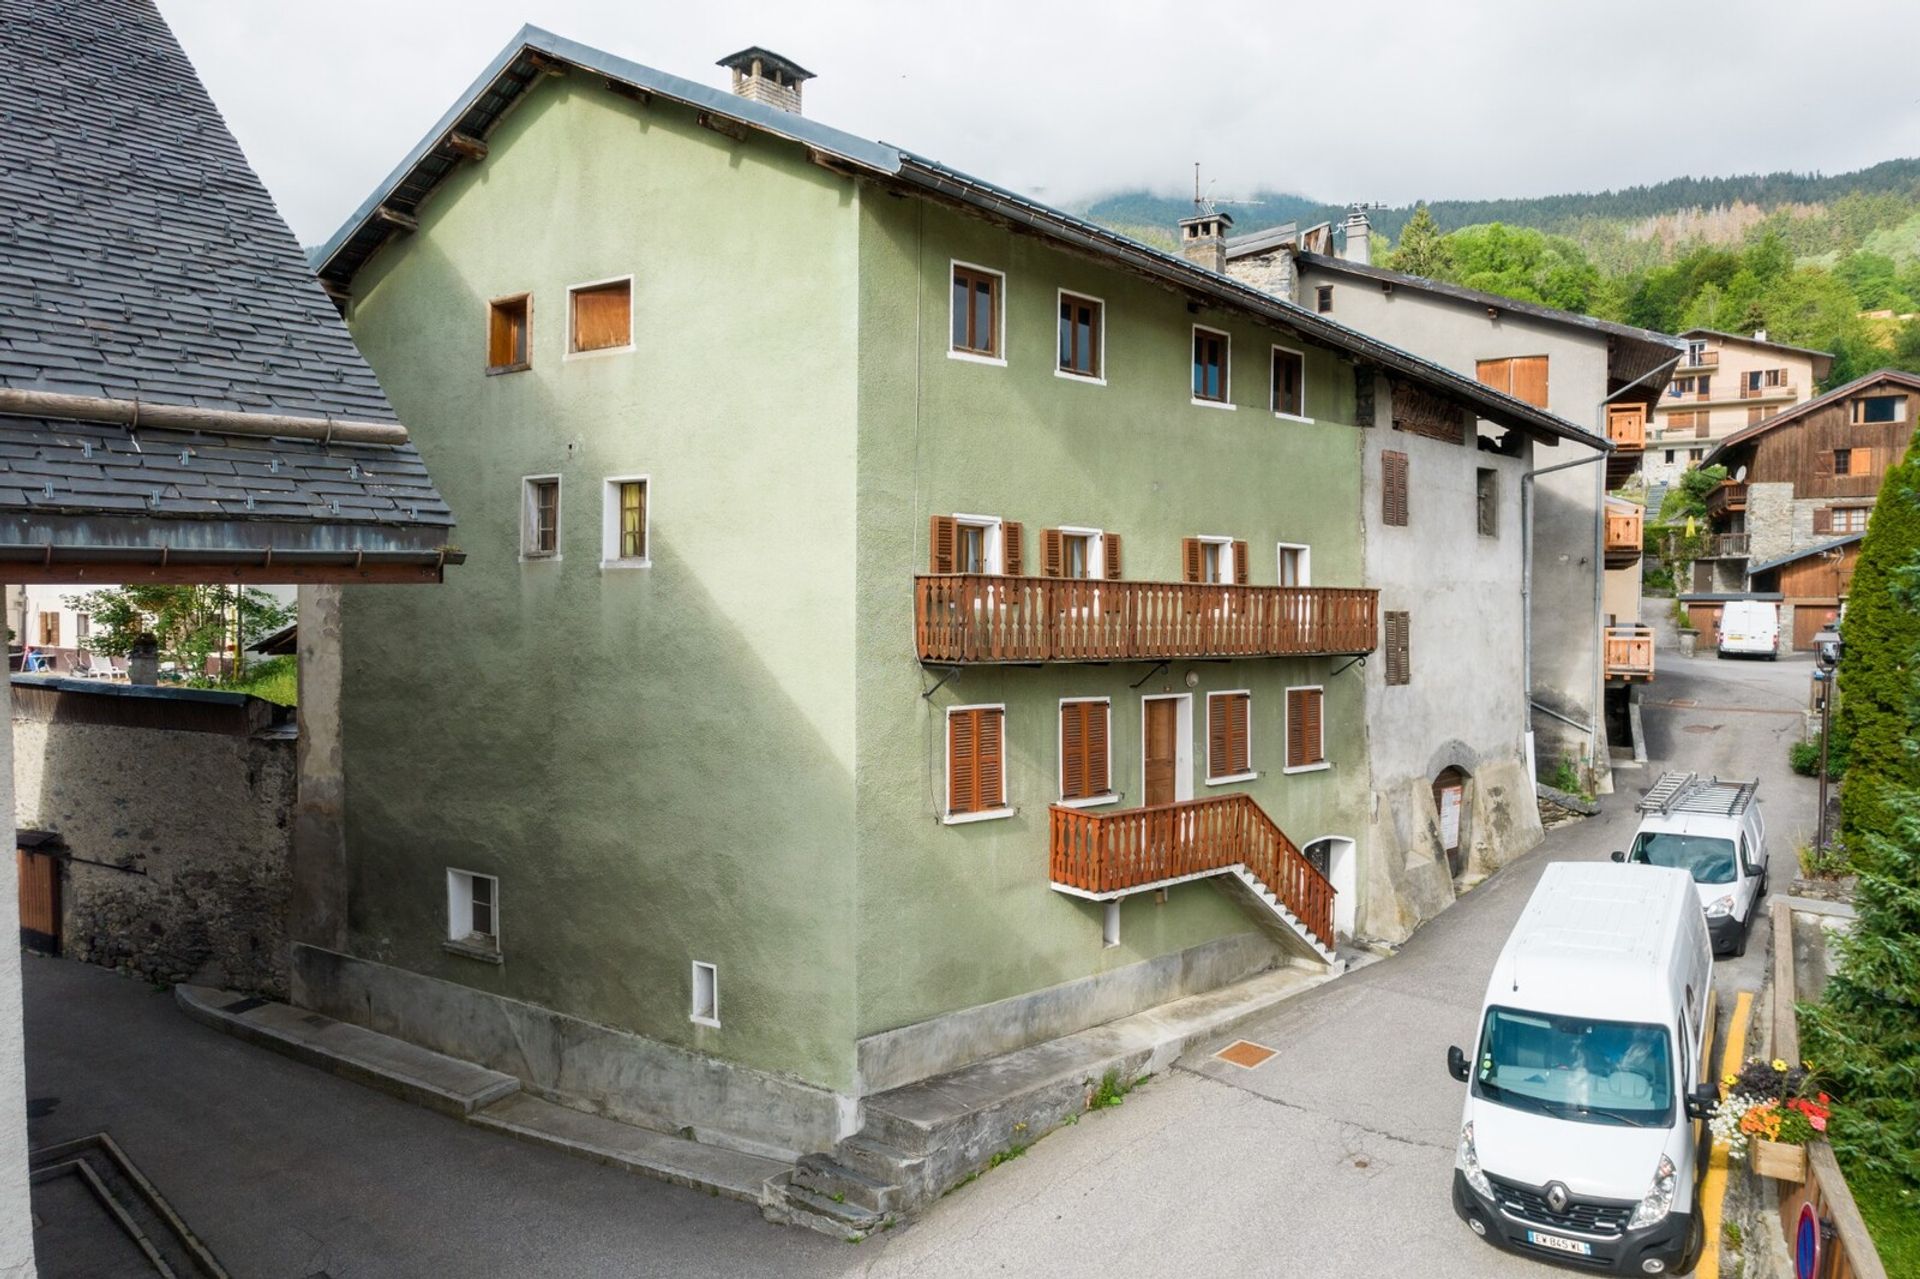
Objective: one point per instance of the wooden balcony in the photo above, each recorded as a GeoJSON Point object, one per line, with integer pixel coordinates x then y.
{"type": "Point", "coordinates": [1766, 392]}
{"type": "Point", "coordinates": [1705, 360]}
{"type": "Point", "coordinates": [1725, 498]}
{"type": "Point", "coordinates": [1623, 537]}
{"type": "Point", "coordinates": [1725, 546]}
{"type": "Point", "coordinates": [1629, 652]}
{"type": "Point", "coordinates": [1111, 854]}
{"type": "Point", "coordinates": [970, 618]}
{"type": "Point", "coordinates": [1627, 428]}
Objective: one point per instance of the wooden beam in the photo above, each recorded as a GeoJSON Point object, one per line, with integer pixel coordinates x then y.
{"type": "Point", "coordinates": [335, 290]}
{"type": "Point", "coordinates": [108, 572]}
{"type": "Point", "coordinates": [467, 145]}
{"type": "Point", "coordinates": [393, 217]}
{"type": "Point", "coordinates": [545, 65]}
{"type": "Point", "coordinates": [721, 125]}
{"type": "Point", "coordinates": [631, 92]}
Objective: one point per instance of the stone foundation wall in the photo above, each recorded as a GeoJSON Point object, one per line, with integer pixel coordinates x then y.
{"type": "Point", "coordinates": [177, 841]}
{"type": "Point", "coordinates": [1406, 879]}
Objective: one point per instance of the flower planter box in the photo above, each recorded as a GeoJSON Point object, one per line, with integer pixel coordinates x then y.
{"type": "Point", "coordinates": [1780, 1160]}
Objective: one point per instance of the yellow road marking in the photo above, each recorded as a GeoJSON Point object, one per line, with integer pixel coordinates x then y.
{"type": "Point", "coordinates": [1714, 1189]}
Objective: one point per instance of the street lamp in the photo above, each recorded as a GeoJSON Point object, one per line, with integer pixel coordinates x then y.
{"type": "Point", "coordinates": [1826, 651]}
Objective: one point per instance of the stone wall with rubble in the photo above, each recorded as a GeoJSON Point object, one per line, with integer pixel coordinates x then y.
{"type": "Point", "coordinates": [177, 841]}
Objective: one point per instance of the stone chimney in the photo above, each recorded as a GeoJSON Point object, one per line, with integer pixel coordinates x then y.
{"type": "Point", "coordinates": [1359, 235]}
{"type": "Point", "coordinates": [760, 75]}
{"type": "Point", "coordinates": [1203, 239]}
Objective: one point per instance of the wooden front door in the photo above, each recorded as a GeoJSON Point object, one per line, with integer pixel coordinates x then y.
{"type": "Point", "coordinates": [39, 901]}
{"type": "Point", "coordinates": [1162, 751]}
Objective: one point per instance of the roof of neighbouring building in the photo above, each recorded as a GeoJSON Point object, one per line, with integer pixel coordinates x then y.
{"type": "Point", "coordinates": [1822, 360]}
{"type": "Point", "coordinates": [1272, 237]}
{"type": "Point", "coordinates": [532, 51]}
{"type": "Point", "coordinates": [1824, 547]}
{"type": "Point", "coordinates": [143, 263]}
{"type": "Point", "coordinates": [1787, 417]}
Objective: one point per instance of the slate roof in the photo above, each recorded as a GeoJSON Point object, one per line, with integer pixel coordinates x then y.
{"type": "Point", "coordinates": [519, 66]}
{"type": "Point", "coordinates": [142, 259]}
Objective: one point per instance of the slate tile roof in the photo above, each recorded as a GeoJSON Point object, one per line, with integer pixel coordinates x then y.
{"type": "Point", "coordinates": [141, 258]}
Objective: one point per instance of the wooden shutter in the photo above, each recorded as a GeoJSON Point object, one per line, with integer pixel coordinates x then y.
{"type": "Point", "coordinates": [1098, 767]}
{"type": "Point", "coordinates": [992, 761]}
{"type": "Point", "coordinates": [1393, 488]}
{"type": "Point", "coordinates": [1192, 560]}
{"type": "Point", "coordinates": [1530, 380]}
{"type": "Point", "coordinates": [1315, 744]}
{"type": "Point", "coordinates": [1053, 553]}
{"type": "Point", "coordinates": [1239, 563]}
{"type": "Point", "coordinates": [506, 333]}
{"type": "Point", "coordinates": [1083, 750]}
{"type": "Point", "coordinates": [940, 539]}
{"type": "Point", "coordinates": [1297, 728]}
{"type": "Point", "coordinates": [1227, 721]}
{"type": "Point", "coordinates": [1399, 667]}
{"type": "Point", "coordinates": [1823, 464]}
{"type": "Point", "coordinates": [975, 759]}
{"type": "Point", "coordinates": [1497, 374]}
{"type": "Point", "coordinates": [1823, 520]}
{"type": "Point", "coordinates": [603, 316]}
{"type": "Point", "coordinates": [1011, 536]}
{"type": "Point", "coordinates": [1111, 548]}
{"type": "Point", "coordinates": [1862, 462]}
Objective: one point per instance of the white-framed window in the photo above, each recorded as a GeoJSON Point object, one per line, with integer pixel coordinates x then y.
{"type": "Point", "coordinates": [625, 517]}
{"type": "Point", "coordinates": [1295, 560]}
{"type": "Point", "coordinates": [1083, 338]}
{"type": "Point", "coordinates": [1230, 736]}
{"type": "Point", "coordinates": [977, 314]}
{"type": "Point", "coordinates": [976, 764]}
{"type": "Point", "coordinates": [1288, 387]}
{"type": "Point", "coordinates": [1306, 729]}
{"type": "Point", "coordinates": [979, 544]}
{"type": "Point", "coordinates": [1212, 384]}
{"type": "Point", "coordinates": [1216, 559]}
{"type": "Point", "coordinates": [705, 1008]}
{"type": "Point", "coordinates": [473, 910]}
{"type": "Point", "coordinates": [1086, 752]}
{"type": "Point", "coordinates": [540, 517]}
{"type": "Point", "coordinates": [600, 317]}
{"type": "Point", "coordinates": [1082, 551]}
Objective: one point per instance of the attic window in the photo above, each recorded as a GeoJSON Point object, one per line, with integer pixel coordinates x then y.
{"type": "Point", "coordinates": [507, 334]}
{"type": "Point", "coordinates": [1323, 299]}
{"type": "Point", "coordinates": [600, 317]}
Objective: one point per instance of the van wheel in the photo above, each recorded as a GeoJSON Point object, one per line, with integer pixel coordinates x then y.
{"type": "Point", "coordinates": [1696, 1242]}
{"type": "Point", "coordinates": [1740, 942]}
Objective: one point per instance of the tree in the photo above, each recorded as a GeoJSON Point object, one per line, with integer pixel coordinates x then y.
{"type": "Point", "coordinates": [1423, 248]}
{"type": "Point", "coordinates": [191, 622]}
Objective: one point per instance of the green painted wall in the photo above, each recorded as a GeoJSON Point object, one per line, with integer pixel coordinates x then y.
{"type": "Point", "coordinates": [658, 762]}
{"type": "Point", "coordinates": [952, 916]}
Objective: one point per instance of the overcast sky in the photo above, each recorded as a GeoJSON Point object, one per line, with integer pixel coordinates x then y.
{"type": "Point", "coordinates": [1391, 101]}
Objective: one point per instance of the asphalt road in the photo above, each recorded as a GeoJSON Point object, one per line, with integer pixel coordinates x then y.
{"type": "Point", "coordinates": [1331, 1159]}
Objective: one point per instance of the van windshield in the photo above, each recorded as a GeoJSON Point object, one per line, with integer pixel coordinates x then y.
{"type": "Point", "coordinates": [1596, 1072]}
{"type": "Point", "coordinates": [1707, 859]}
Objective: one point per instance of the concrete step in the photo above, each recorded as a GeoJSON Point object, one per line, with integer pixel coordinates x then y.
{"type": "Point", "coordinates": [831, 1176]}
{"type": "Point", "coordinates": [69, 1227]}
{"type": "Point", "coordinates": [639, 1150]}
{"type": "Point", "coordinates": [412, 1073]}
{"type": "Point", "coordinates": [798, 1206]}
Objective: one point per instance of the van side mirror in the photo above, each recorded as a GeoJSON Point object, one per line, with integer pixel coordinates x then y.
{"type": "Point", "coordinates": [1619, 857]}
{"type": "Point", "coordinates": [1457, 1063]}
{"type": "Point", "coordinates": [1703, 1101]}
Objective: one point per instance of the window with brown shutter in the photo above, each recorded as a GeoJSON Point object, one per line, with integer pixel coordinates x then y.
{"type": "Point", "coordinates": [1393, 488]}
{"type": "Point", "coordinates": [1289, 382]}
{"type": "Point", "coordinates": [1012, 554]}
{"type": "Point", "coordinates": [540, 517]}
{"type": "Point", "coordinates": [507, 333]}
{"type": "Point", "coordinates": [601, 316]}
{"type": "Point", "coordinates": [1399, 664]}
{"type": "Point", "coordinates": [1192, 562]}
{"type": "Point", "coordinates": [1084, 762]}
{"type": "Point", "coordinates": [1306, 739]}
{"type": "Point", "coordinates": [1110, 549]}
{"type": "Point", "coordinates": [976, 311]}
{"type": "Point", "coordinates": [956, 544]}
{"type": "Point", "coordinates": [1524, 377]}
{"type": "Point", "coordinates": [1239, 563]}
{"type": "Point", "coordinates": [1850, 519]}
{"type": "Point", "coordinates": [1229, 723]}
{"type": "Point", "coordinates": [1213, 559]}
{"type": "Point", "coordinates": [976, 760]}
{"type": "Point", "coordinates": [1078, 553]}
{"type": "Point", "coordinates": [1823, 519]}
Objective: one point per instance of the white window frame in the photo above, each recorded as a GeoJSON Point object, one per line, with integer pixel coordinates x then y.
{"type": "Point", "coordinates": [1060, 296]}
{"type": "Point", "coordinates": [996, 546]}
{"type": "Point", "coordinates": [1306, 561]}
{"type": "Point", "coordinates": [1251, 772]}
{"type": "Point", "coordinates": [1273, 385]}
{"type": "Point", "coordinates": [633, 305]}
{"type": "Point", "coordinates": [610, 523]}
{"type": "Point", "coordinates": [1096, 551]}
{"type": "Point", "coordinates": [1286, 753]}
{"type": "Point", "coordinates": [1227, 570]}
{"type": "Point", "coordinates": [460, 934]}
{"type": "Point", "coordinates": [694, 1014]}
{"type": "Point", "coordinates": [528, 516]}
{"type": "Point", "coordinates": [1182, 745]}
{"type": "Point", "coordinates": [1226, 369]}
{"type": "Point", "coordinates": [1000, 318]}
{"type": "Point", "coordinates": [947, 816]}
{"type": "Point", "coordinates": [1110, 796]}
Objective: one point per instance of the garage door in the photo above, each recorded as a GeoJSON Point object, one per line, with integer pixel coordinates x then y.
{"type": "Point", "coordinates": [1808, 620]}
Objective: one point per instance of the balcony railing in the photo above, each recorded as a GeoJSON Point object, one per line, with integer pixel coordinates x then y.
{"type": "Point", "coordinates": [1701, 360]}
{"type": "Point", "coordinates": [1725, 498]}
{"type": "Point", "coordinates": [1134, 850]}
{"type": "Point", "coordinates": [1629, 652]}
{"type": "Point", "coordinates": [964, 618]}
{"type": "Point", "coordinates": [1765, 392]}
{"type": "Point", "coordinates": [1725, 546]}
{"type": "Point", "coordinates": [1623, 537]}
{"type": "Point", "coordinates": [1627, 426]}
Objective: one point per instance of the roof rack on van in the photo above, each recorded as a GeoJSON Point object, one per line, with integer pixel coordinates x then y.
{"type": "Point", "coordinates": [1678, 792]}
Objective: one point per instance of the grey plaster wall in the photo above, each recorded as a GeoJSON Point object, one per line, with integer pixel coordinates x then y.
{"type": "Point", "coordinates": [194, 832]}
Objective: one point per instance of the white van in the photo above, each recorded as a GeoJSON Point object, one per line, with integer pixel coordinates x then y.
{"type": "Point", "coordinates": [1751, 628]}
{"type": "Point", "coordinates": [1714, 831]}
{"type": "Point", "coordinates": [1575, 1142]}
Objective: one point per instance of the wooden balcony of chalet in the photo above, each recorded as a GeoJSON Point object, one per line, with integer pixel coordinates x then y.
{"type": "Point", "coordinates": [1726, 498]}
{"type": "Point", "coordinates": [1110, 854]}
{"type": "Point", "coordinates": [1707, 360]}
{"type": "Point", "coordinates": [1627, 429]}
{"type": "Point", "coordinates": [1629, 652]}
{"type": "Point", "coordinates": [981, 618]}
{"type": "Point", "coordinates": [1624, 540]}
{"type": "Point", "coordinates": [1778, 390]}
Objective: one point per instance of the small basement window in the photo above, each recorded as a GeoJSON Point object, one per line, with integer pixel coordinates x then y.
{"type": "Point", "coordinates": [507, 334]}
{"type": "Point", "coordinates": [600, 317]}
{"type": "Point", "coordinates": [706, 994]}
{"type": "Point", "coordinates": [540, 518]}
{"type": "Point", "coordinates": [473, 910]}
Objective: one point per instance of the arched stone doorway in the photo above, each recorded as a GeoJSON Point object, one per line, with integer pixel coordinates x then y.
{"type": "Point", "coordinates": [1453, 804]}
{"type": "Point", "coordinates": [1333, 856]}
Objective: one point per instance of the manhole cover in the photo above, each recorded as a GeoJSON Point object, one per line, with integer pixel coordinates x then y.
{"type": "Point", "coordinates": [1700, 728]}
{"type": "Point", "coordinates": [1245, 1054]}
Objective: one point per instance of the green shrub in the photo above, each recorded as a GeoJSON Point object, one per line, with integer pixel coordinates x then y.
{"type": "Point", "coordinates": [1804, 756]}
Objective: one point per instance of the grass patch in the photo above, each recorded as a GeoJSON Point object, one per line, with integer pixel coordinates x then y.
{"type": "Point", "coordinates": [276, 679]}
{"type": "Point", "coordinates": [1008, 1155]}
{"type": "Point", "coordinates": [1891, 1207]}
{"type": "Point", "coordinates": [1566, 777]}
{"type": "Point", "coordinates": [1112, 1091]}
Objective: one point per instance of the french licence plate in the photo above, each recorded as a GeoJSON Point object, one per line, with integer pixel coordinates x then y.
{"type": "Point", "coordinates": [1558, 1244]}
